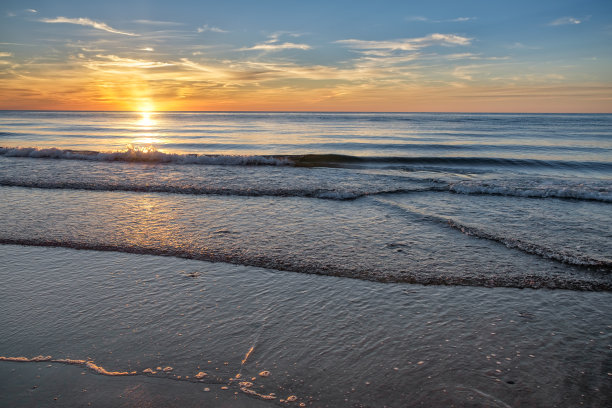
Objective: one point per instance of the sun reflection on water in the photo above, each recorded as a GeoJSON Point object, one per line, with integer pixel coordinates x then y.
{"type": "Point", "coordinates": [146, 119]}
{"type": "Point", "coordinates": [146, 140]}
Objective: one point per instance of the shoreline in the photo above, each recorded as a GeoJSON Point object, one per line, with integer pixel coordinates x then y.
{"type": "Point", "coordinates": [328, 341]}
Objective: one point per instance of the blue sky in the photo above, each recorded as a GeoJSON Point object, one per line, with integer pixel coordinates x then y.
{"type": "Point", "coordinates": [315, 55]}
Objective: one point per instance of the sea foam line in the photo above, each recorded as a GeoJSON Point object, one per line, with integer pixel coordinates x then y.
{"type": "Point", "coordinates": [565, 192]}
{"type": "Point", "coordinates": [533, 248]}
{"type": "Point", "coordinates": [522, 280]}
{"type": "Point", "coordinates": [321, 193]}
{"type": "Point", "coordinates": [562, 256]}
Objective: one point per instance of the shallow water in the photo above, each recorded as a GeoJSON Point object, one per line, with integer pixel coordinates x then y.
{"type": "Point", "coordinates": [329, 341]}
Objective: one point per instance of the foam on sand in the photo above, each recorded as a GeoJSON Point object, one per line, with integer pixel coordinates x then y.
{"type": "Point", "coordinates": [243, 386]}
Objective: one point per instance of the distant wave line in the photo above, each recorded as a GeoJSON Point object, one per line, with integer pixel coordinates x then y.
{"type": "Point", "coordinates": [152, 155]}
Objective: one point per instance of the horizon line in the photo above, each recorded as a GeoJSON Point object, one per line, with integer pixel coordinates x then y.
{"type": "Point", "coordinates": [308, 111]}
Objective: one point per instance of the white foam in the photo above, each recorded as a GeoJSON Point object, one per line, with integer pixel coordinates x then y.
{"type": "Point", "coordinates": [143, 154]}
{"type": "Point", "coordinates": [530, 247]}
{"type": "Point", "coordinates": [575, 191]}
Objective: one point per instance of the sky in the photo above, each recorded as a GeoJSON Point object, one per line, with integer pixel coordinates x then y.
{"type": "Point", "coordinates": [392, 56]}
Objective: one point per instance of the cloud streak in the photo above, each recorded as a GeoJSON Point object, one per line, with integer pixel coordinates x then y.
{"type": "Point", "coordinates": [567, 21]}
{"type": "Point", "coordinates": [277, 47]}
{"type": "Point", "coordinates": [408, 44]}
{"type": "Point", "coordinates": [452, 20]}
{"type": "Point", "coordinates": [157, 22]}
{"type": "Point", "coordinates": [115, 61]}
{"type": "Point", "coordinates": [88, 23]}
{"type": "Point", "coordinates": [207, 28]}
{"type": "Point", "coordinates": [273, 44]}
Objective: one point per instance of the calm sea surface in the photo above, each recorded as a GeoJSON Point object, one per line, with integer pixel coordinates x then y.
{"type": "Point", "coordinates": [474, 206]}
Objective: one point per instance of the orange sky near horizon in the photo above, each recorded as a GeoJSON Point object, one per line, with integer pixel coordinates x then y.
{"type": "Point", "coordinates": [487, 62]}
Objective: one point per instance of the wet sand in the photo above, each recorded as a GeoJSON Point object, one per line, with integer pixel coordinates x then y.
{"type": "Point", "coordinates": [304, 339]}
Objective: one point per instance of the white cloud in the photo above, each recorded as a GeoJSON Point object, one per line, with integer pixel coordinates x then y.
{"type": "Point", "coordinates": [462, 19]}
{"type": "Point", "coordinates": [211, 29]}
{"type": "Point", "coordinates": [463, 55]}
{"type": "Point", "coordinates": [417, 18]}
{"type": "Point", "coordinates": [6, 54]}
{"type": "Point", "coordinates": [277, 47]}
{"type": "Point", "coordinates": [147, 49]}
{"type": "Point", "coordinates": [273, 43]}
{"type": "Point", "coordinates": [521, 46]}
{"type": "Point", "coordinates": [113, 60]}
{"type": "Point", "coordinates": [465, 72]}
{"type": "Point", "coordinates": [428, 20]}
{"type": "Point", "coordinates": [445, 39]}
{"type": "Point", "coordinates": [408, 44]}
{"type": "Point", "coordinates": [156, 22]}
{"type": "Point", "coordinates": [31, 11]}
{"type": "Point", "coordinates": [567, 20]}
{"type": "Point", "coordinates": [86, 22]}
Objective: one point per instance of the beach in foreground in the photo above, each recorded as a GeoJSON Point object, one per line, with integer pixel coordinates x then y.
{"type": "Point", "coordinates": [327, 341]}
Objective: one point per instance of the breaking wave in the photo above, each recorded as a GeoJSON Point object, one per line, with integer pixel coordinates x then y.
{"type": "Point", "coordinates": [576, 192]}
{"type": "Point", "coordinates": [322, 193]}
{"type": "Point", "coordinates": [149, 154]}
{"type": "Point", "coordinates": [139, 154]}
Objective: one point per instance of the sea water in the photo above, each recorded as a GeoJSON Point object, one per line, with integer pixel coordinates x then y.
{"type": "Point", "coordinates": [466, 204]}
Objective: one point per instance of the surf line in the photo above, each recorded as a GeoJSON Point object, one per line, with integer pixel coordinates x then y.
{"type": "Point", "coordinates": [200, 377]}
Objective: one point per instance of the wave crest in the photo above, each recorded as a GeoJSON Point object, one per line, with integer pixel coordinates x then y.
{"type": "Point", "coordinates": [142, 154]}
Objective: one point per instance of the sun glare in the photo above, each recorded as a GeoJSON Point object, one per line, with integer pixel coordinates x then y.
{"type": "Point", "coordinates": [146, 119]}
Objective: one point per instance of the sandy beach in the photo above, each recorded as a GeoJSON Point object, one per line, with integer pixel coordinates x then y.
{"type": "Point", "coordinates": [327, 341]}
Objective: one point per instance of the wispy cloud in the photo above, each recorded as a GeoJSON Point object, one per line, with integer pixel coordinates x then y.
{"type": "Point", "coordinates": [6, 54]}
{"type": "Point", "coordinates": [429, 20]}
{"type": "Point", "coordinates": [462, 19]}
{"type": "Point", "coordinates": [150, 49]}
{"type": "Point", "coordinates": [463, 55]}
{"type": "Point", "coordinates": [115, 61]}
{"type": "Point", "coordinates": [408, 44]}
{"type": "Point", "coordinates": [521, 46]}
{"type": "Point", "coordinates": [86, 22]}
{"type": "Point", "coordinates": [568, 20]}
{"type": "Point", "coordinates": [274, 44]}
{"type": "Point", "coordinates": [21, 12]}
{"type": "Point", "coordinates": [157, 22]}
{"type": "Point", "coordinates": [417, 18]}
{"type": "Point", "coordinates": [207, 28]}
{"type": "Point", "coordinates": [277, 47]}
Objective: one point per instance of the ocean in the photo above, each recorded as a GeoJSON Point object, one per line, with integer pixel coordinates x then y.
{"type": "Point", "coordinates": [360, 259]}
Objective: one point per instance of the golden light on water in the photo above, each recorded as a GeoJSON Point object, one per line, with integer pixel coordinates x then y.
{"type": "Point", "coordinates": [146, 119]}
{"type": "Point", "coordinates": [146, 139]}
